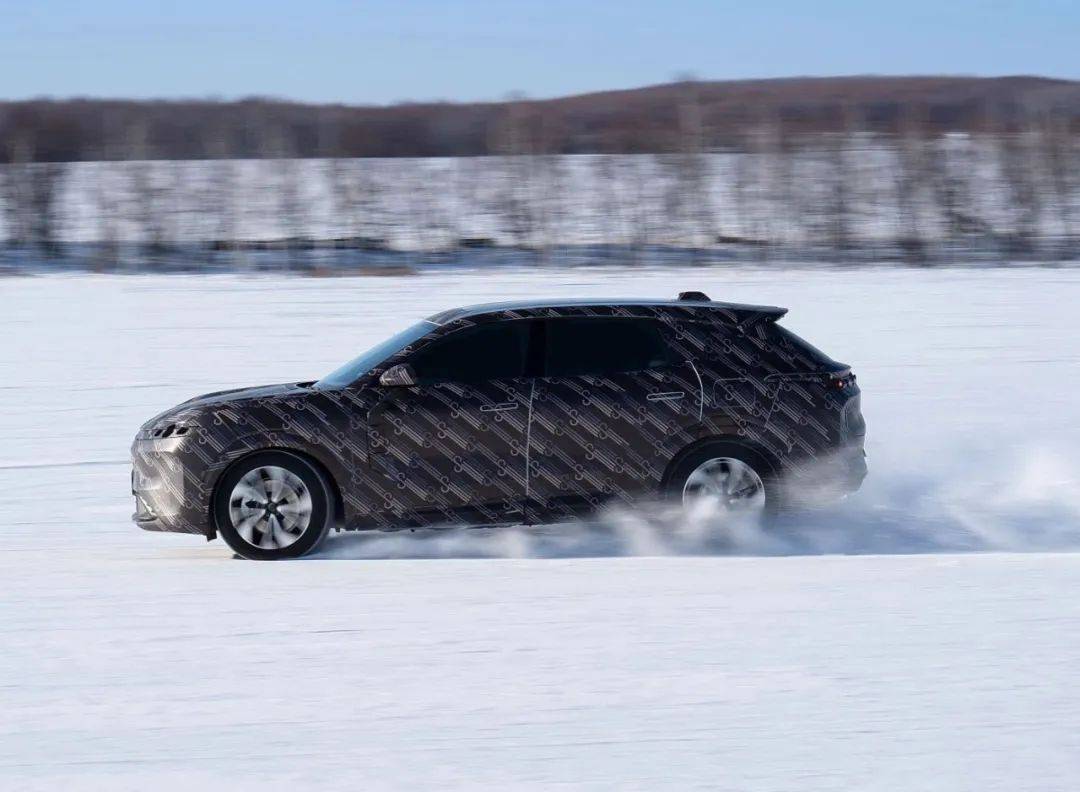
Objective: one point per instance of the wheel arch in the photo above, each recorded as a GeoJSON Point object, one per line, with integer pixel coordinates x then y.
{"type": "Point", "coordinates": [702, 442]}
{"type": "Point", "coordinates": [311, 459]}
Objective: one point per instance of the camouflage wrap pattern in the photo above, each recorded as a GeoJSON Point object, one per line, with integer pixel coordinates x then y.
{"type": "Point", "coordinates": [532, 449]}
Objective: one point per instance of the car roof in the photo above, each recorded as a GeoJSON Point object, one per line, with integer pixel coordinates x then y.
{"type": "Point", "coordinates": [694, 306]}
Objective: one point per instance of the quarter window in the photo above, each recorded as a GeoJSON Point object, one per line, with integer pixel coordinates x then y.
{"type": "Point", "coordinates": [577, 346]}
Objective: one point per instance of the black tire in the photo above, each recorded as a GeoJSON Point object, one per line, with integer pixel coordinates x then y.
{"type": "Point", "coordinates": [317, 488]}
{"type": "Point", "coordinates": [768, 473]}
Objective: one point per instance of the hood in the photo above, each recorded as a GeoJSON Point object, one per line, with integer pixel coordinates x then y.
{"type": "Point", "coordinates": [240, 394]}
{"type": "Point", "coordinates": [192, 407]}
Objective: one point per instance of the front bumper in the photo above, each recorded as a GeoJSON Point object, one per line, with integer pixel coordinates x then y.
{"type": "Point", "coordinates": [168, 497]}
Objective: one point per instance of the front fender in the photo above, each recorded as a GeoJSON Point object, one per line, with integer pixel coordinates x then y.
{"type": "Point", "coordinates": [335, 460]}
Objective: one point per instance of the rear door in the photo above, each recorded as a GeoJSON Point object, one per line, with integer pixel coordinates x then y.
{"type": "Point", "coordinates": [609, 395]}
{"type": "Point", "coordinates": [453, 447]}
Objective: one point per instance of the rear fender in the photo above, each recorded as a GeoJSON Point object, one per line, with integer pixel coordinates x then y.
{"type": "Point", "coordinates": [745, 442]}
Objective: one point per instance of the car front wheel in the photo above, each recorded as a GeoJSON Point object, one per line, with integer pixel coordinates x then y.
{"type": "Point", "coordinates": [273, 505]}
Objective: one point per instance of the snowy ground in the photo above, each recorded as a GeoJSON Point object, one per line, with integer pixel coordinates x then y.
{"type": "Point", "coordinates": [921, 636]}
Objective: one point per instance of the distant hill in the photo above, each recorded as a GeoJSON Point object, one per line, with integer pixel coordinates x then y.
{"type": "Point", "coordinates": [659, 118]}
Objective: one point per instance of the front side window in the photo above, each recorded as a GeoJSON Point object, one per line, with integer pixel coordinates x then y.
{"type": "Point", "coordinates": [580, 346]}
{"type": "Point", "coordinates": [496, 350]}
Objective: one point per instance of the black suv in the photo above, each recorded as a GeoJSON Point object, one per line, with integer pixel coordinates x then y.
{"type": "Point", "coordinates": [511, 413]}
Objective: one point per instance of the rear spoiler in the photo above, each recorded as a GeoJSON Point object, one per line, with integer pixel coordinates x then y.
{"type": "Point", "coordinates": [747, 315]}
{"type": "Point", "coordinates": [738, 313]}
{"type": "Point", "coordinates": [768, 313]}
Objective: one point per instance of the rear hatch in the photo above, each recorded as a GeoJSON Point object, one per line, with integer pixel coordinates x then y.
{"type": "Point", "coordinates": [809, 362]}
{"type": "Point", "coordinates": [812, 358]}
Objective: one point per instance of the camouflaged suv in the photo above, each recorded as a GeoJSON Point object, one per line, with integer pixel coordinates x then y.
{"type": "Point", "coordinates": [511, 413]}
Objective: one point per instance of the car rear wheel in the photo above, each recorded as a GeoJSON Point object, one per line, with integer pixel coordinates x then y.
{"type": "Point", "coordinates": [273, 505]}
{"type": "Point", "coordinates": [725, 482]}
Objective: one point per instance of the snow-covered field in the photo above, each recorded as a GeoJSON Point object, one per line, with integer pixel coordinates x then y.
{"type": "Point", "coordinates": [923, 635]}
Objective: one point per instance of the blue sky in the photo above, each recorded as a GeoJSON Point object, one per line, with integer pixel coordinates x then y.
{"type": "Point", "coordinates": [379, 51]}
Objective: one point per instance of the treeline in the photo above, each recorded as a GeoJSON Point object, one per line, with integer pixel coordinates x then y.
{"type": "Point", "coordinates": [714, 116]}
{"type": "Point", "coordinates": [833, 197]}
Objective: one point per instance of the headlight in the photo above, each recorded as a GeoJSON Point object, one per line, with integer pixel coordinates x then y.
{"type": "Point", "coordinates": [165, 429]}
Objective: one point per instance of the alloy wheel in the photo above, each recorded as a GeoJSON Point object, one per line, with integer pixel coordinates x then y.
{"type": "Point", "coordinates": [724, 485]}
{"type": "Point", "coordinates": [270, 507]}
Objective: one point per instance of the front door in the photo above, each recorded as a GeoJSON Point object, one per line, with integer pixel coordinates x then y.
{"type": "Point", "coordinates": [453, 447]}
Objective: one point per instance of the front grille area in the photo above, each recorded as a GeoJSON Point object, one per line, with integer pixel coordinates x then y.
{"type": "Point", "coordinates": [143, 511]}
{"type": "Point", "coordinates": [157, 480]}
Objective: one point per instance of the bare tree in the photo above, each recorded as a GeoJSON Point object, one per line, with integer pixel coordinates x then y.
{"type": "Point", "coordinates": [688, 202]}
{"type": "Point", "coordinates": [641, 203]}
{"type": "Point", "coordinates": [31, 192]}
{"type": "Point", "coordinates": [1021, 189]}
{"type": "Point", "coordinates": [840, 183]}
{"type": "Point", "coordinates": [146, 193]}
{"type": "Point", "coordinates": [783, 192]}
{"type": "Point", "coordinates": [46, 180]}
{"type": "Point", "coordinates": [219, 203]}
{"type": "Point", "coordinates": [758, 208]}
{"type": "Point", "coordinates": [16, 197]}
{"type": "Point", "coordinates": [337, 175]}
{"type": "Point", "coordinates": [358, 201]}
{"type": "Point", "coordinates": [513, 140]}
{"type": "Point", "coordinates": [953, 163]}
{"type": "Point", "coordinates": [911, 170]}
{"type": "Point", "coordinates": [369, 196]}
{"type": "Point", "coordinates": [549, 186]}
{"type": "Point", "coordinates": [1060, 160]}
{"type": "Point", "coordinates": [605, 175]}
{"type": "Point", "coordinates": [106, 254]}
{"type": "Point", "coordinates": [424, 206]}
{"type": "Point", "coordinates": [775, 188]}
{"type": "Point", "coordinates": [277, 145]}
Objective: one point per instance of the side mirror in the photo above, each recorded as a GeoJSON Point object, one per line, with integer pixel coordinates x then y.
{"type": "Point", "coordinates": [399, 376]}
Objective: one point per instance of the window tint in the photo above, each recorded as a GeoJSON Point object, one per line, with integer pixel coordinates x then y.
{"type": "Point", "coordinates": [488, 351]}
{"type": "Point", "coordinates": [603, 346]}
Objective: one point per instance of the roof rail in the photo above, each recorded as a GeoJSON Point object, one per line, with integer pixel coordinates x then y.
{"type": "Point", "coordinates": [693, 296]}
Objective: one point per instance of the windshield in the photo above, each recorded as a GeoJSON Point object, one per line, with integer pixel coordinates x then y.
{"type": "Point", "coordinates": [340, 377]}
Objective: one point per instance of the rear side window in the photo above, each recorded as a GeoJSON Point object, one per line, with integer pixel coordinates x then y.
{"type": "Point", "coordinates": [495, 350]}
{"type": "Point", "coordinates": [577, 346]}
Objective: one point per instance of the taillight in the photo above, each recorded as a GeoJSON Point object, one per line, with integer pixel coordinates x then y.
{"type": "Point", "coordinates": [841, 380]}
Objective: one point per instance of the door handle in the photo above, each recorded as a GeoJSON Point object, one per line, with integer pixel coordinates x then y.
{"type": "Point", "coordinates": [668, 396]}
{"type": "Point", "coordinates": [500, 407]}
